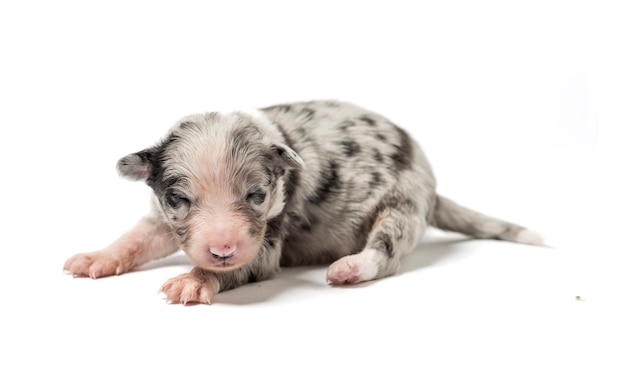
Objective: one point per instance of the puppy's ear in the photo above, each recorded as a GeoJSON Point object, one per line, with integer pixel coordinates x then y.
{"type": "Point", "coordinates": [287, 158]}
{"type": "Point", "coordinates": [137, 166]}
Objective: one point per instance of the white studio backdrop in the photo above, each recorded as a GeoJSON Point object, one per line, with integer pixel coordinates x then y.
{"type": "Point", "coordinates": [505, 97]}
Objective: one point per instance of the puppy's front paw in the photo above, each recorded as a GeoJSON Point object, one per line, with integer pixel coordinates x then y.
{"type": "Point", "coordinates": [190, 288]}
{"type": "Point", "coordinates": [94, 265]}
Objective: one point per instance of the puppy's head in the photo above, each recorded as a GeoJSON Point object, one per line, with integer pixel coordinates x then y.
{"type": "Point", "coordinates": [217, 179]}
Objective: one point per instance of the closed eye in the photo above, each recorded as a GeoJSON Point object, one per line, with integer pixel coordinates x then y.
{"type": "Point", "coordinates": [175, 199]}
{"type": "Point", "coordinates": [256, 197]}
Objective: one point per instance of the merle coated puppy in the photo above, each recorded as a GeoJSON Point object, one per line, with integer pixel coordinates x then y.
{"type": "Point", "coordinates": [243, 193]}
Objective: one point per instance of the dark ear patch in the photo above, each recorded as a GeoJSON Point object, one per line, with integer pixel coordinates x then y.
{"type": "Point", "coordinates": [136, 166]}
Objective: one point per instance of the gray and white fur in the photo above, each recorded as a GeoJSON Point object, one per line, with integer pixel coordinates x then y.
{"type": "Point", "coordinates": [245, 192]}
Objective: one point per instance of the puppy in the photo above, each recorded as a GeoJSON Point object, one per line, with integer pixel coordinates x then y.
{"type": "Point", "coordinates": [243, 193]}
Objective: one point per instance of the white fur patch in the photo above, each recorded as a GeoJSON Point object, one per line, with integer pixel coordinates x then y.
{"type": "Point", "coordinates": [278, 204]}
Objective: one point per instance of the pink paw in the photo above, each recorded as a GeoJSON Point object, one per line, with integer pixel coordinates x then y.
{"type": "Point", "coordinates": [94, 265]}
{"type": "Point", "coordinates": [189, 288]}
{"type": "Point", "coordinates": [343, 272]}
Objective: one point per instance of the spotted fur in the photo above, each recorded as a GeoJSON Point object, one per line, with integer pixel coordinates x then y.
{"type": "Point", "coordinates": [245, 192]}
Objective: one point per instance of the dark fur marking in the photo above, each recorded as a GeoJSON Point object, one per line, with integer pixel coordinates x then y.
{"type": "Point", "coordinates": [393, 202]}
{"type": "Point", "coordinates": [403, 157]}
{"type": "Point", "coordinates": [344, 125]}
{"type": "Point", "coordinates": [271, 176]}
{"type": "Point", "coordinates": [300, 222]}
{"type": "Point", "coordinates": [384, 243]}
{"type": "Point", "coordinates": [386, 203]}
{"type": "Point", "coordinates": [350, 147]}
{"type": "Point", "coordinates": [280, 107]}
{"type": "Point", "coordinates": [292, 182]}
{"type": "Point", "coordinates": [252, 277]}
{"type": "Point", "coordinates": [253, 218]}
{"type": "Point", "coordinates": [378, 157]}
{"type": "Point", "coordinates": [377, 180]}
{"type": "Point", "coordinates": [274, 230]}
{"type": "Point", "coordinates": [307, 114]}
{"type": "Point", "coordinates": [381, 137]}
{"type": "Point", "coordinates": [368, 120]}
{"type": "Point", "coordinates": [187, 125]}
{"type": "Point", "coordinates": [293, 215]}
{"type": "Point", "coordinates": [156, 157]}
{"type": "Point", "coordinates": [330, 185]}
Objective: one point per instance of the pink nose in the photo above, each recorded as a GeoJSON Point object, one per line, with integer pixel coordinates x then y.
{"type": "Point", "coordinates": [223, 252]}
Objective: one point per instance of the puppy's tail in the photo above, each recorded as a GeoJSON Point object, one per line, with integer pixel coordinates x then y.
{"type": "Point", "coordinates": [451, 216]}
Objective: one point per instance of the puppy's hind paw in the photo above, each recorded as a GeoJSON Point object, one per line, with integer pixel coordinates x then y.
{"type": "Point", "coordinates": [343, 272]}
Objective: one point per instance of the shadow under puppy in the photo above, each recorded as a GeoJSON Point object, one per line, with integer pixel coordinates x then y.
{"type": "Point", "coordinates": [243, 193]}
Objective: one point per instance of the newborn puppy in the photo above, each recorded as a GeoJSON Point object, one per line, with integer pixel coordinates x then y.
{"type": "Point", "coordinates": [243, 193]}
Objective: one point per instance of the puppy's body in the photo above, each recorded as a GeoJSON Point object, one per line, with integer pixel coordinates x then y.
{"type": "Point", "coordinates": [243, 193]}
{"type": "Point", "coordinates": [357, 165]}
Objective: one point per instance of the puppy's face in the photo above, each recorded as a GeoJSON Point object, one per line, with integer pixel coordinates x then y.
{"type": "Point", "coordinates": [217, 179]}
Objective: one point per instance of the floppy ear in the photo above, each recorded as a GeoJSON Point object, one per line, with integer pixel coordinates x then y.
{"type": "Point", "coordinates": [137, 166]}
{"type": "Point", "coordinates": [287, 158]}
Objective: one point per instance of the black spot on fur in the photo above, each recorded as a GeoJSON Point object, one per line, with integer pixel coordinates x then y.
{"type": "Point", "coordinates": [294, 219]}
{"type": "Point", "coordinates": [148, 156]}
{"type": "Point", "coordinates": [279, 107]}
{"type": "Point", "coordinates": [377, 180]}
{"type": "Point", "coordinates": [186, 125]}
{"type": "Point", "coordinates": [331, 183]}
{"type": "Point", "coordinates": [300, 222]}
{"type": "Point", "coordinates": [350, 147]}
{"type": "Point", "coordinates": [368, 120]}
{"type": "Point", "coordinates": [398, 203]}
{"type": "Point", "coordinates": [252, 277]}
{"type": "Point", "coordinates": [254, 219]}
{"type": "Point", "coordinates": [292, 181]}
{"type": "Point", "coordinates": [378, 157]}
{"type": "Point", "coordinates": [307, 114]}
{"type": "Point", "coordinates": [270, 243]}
{"type": "Point", "coordinates": [288, 140]}
{"type": "Point", "coordinates": [403, 157]}
{"type": "Point", "coordinates": [309, 225]}
{"type": "Point", "coordinates": [156, 156]}
{"type": "Point", "coordinates": [386, 203]}
{"type": "Point", "coordinates": [269, 174]}
{"type": "Point", "coordinates": [344, 125]}
{"type": "Point", "coordinates": [381, 137]}
{"type": "Point", "coordinates": [384, 243]}
{"type": "Point", "coordinates": [274, 230]}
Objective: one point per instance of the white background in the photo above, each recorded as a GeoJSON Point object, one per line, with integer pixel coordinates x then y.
{"type": "Point", "coordinates": [505, 97]}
